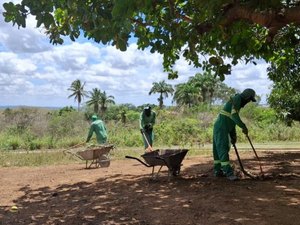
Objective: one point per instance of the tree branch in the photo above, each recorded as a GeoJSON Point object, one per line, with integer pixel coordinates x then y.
{"type": "Point", "coordinates": [273, 20]}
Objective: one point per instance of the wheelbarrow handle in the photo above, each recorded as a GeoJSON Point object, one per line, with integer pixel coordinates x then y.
{"type": "Point", "coordinates": [74, 146]}
{"type": "Point", "coordinates": [68, 150]}
{"type": "Point", "coordinates": [72, 154]}
{"type": "Point", "coordinates": [130, 157]}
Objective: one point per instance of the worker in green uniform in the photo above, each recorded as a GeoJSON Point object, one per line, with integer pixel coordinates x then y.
{"type": "Point", "coordinates": [147, 121]}
{"type": "Point", "coordinates": [99, 128]}
{"type": "Point", "coordinates": [224, 133]}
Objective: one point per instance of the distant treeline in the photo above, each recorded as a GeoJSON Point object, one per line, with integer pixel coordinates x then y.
{"type": "Point", "coordinates": [40, 128]}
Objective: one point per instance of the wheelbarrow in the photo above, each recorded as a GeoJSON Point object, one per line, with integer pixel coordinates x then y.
{"type": "Point", "coordinates": [171, 158]}
{"type": "Point", "coordinates": [97, 156]}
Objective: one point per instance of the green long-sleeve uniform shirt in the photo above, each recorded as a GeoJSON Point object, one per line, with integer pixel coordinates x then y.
{"type": "Point", "coordinates": [147, 121]}
{"type": "Point", "coordinates": [100, 130]}
{"type": "Point", "coordinates": [224, 129]}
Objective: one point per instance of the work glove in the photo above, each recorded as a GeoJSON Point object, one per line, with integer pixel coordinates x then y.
{"type": "Point", "coordinates": [233, 137]}
{"type": "Point", "coordinates": [245, 131]}
{"type": "Point", "coordinates": [233, 140]}
{"type": "Point", "coordinates": [148, 127]}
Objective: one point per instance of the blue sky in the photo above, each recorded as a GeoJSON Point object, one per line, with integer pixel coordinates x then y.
{"type": "Point", "coordinates": [34, 72]}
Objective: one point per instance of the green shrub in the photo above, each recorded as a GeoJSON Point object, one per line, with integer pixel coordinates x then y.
{"type": "Point", "coordinates": [60, 129]}
{"type": "Point", "coordinates": [132, 116]}
{"type": "Point", "coordinates": [178, 132]}
{"type": "Point", "coordinates": [67, 124]}
{"type": "Point", "coordinates": [33, 145]}
{"type": "Point", "coordinates": [13, 143]}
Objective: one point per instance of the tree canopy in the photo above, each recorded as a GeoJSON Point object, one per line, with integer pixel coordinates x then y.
{"type": "Point", "coordinates": [202, 88]}
{"type": "Point", "coordinates": [286, 101]}
{"type": "Point", "coordinates": [203, 32]}
{"type": "Point", "coordinates": [78, 91]}
{"type": "Point", "coordinates": [99, 100]}
{"type": "Point", "coordinates": [214, 35]}
{"type": "Point", "coordinates": [163, 89]}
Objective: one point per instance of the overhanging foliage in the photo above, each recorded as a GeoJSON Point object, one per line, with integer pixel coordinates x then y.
{"type": "Point", "coordinates": [203, 32]}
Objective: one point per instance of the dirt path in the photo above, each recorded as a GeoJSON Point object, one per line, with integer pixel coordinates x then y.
{"type": "Point", "coordinates": [123, 194]}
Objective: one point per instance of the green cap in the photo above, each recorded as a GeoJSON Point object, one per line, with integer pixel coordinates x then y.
{"type": "Point", "coordinates": [249, 94]}
{"type": "Point", "coordinates": [94, 117]}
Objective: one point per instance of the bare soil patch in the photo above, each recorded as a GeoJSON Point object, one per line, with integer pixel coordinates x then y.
{"type": "Point", "coordinates": [124, 194]}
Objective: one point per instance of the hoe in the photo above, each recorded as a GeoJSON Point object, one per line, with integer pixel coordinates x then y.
{"type": "Point", "coordinates": [252, 176]}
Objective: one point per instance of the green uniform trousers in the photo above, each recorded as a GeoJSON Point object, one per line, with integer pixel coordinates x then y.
{"type": "Point", "coordinates": [221, 145]}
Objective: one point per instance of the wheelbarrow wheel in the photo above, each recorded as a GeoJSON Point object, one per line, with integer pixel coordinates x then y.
{"type": "Point", "coordinates": [104, 161]}
{"type": "Point", "coordinates": [176, 171]}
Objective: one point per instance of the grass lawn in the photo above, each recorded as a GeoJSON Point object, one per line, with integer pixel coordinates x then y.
{"type": "Point", "coordinates": [57, 157]}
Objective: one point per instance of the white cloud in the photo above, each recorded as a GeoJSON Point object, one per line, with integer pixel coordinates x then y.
{"type": "Point", "coordinates": [20, 40]}
{"type": "Point", "coordinates": [11, 63]}
{"type": "Point", "coordinates": [251, 76]}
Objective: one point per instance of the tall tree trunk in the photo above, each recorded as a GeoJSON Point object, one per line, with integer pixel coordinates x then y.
{"type": "Point", "coordinates": [96, 108]}
{"type": "Point", "coordinates": [161, 102]}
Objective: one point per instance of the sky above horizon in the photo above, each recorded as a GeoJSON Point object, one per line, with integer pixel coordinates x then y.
{"type": "Point", "coordinates": [34, 72]}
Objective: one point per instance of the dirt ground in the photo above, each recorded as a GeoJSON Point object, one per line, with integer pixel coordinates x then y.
{"type": "Point", "coordinates": [124, 194]}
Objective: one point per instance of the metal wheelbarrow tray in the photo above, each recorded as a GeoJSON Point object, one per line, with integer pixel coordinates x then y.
{"type": "Point", "coordinates": [171, 158]}
{"type": "Point", "coordinates": [97, 156]}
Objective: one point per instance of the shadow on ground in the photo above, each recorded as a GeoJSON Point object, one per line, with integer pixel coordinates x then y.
{"type": "Point", "coordinates": [195, 197]}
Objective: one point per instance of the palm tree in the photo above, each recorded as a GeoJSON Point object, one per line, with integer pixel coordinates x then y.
{"type": "Point", "coordinates": [163, 89]}
{"type": "Point", "coordinates": [186, 94]}
{"type": "Point", "coordinates": [78, 91]}
{"type": "Point", "coordinates": [206, 83]}
{"type": "Point", "coordinates": [212, 89]}
{"type": "Point", "coordinates": [105, 100]}
{"type": "Point", "coordinates": [99, 100]}
{"type": "Point", "coordinates": [95, 99]}
{"type": "Point", "coordinates": [223, 92]}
